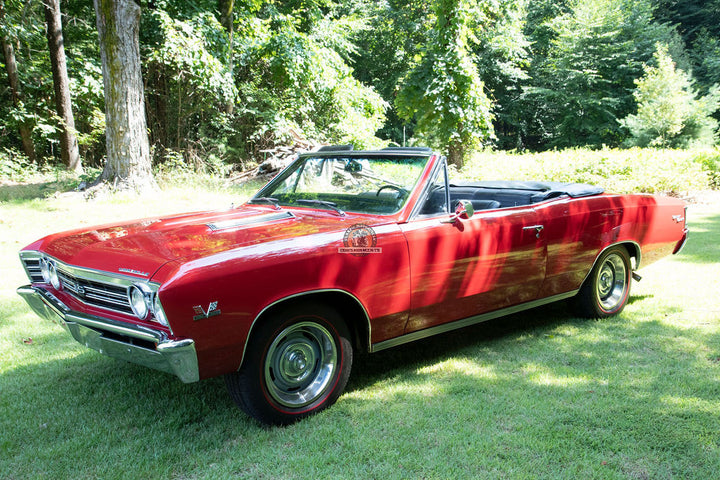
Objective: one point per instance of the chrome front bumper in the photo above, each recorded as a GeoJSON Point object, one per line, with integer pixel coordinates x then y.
{"type": "Point", "coordinates": [132, 343]}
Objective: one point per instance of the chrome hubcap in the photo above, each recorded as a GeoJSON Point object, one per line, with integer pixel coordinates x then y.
{"type": "Point", "coordinates": [300, 364]}
{"type": "Point", "coordinates": [612, 282]}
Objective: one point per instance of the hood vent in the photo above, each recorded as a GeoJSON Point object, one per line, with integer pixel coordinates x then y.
{"type": "Point", "coordinates": [241, 222]}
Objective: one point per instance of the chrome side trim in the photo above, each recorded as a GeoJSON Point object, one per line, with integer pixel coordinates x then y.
{"type": "Point", "coordinates": [124, 341]}
{"type": "Point", "coordinates": [466, 322]}
{"type": "Point", "coordinates": [303, 294]}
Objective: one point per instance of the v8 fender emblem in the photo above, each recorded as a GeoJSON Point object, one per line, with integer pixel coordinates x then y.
{"type": "Point", "coordinates": [201, 313]}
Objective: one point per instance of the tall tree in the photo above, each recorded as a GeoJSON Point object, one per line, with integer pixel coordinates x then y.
{"type": "Point", "coordinates": [14, 80]}
{"type": "Point", "coordinates": [68, 140]}
{"type": "Point", "coordinates": [128, 148]}
{"type": "Point", "coordinates": [670, 114]}
{"type": "Point", "coordinates": [583, 86]}
{"type": "Point", "coordinates": [444, 91]}
{"type": "Point", "coordinates": [227, 19]}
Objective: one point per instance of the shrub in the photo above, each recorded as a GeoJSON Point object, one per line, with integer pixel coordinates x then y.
{"type": "Point", "coordinates": [621, 171]}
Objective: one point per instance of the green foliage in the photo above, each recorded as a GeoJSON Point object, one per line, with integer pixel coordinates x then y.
{"type": "Point", "coordinates": [698, 21]}
{"type": "Point", "coordinates": [24, 24]}
{"type": "Point", "coordinates": [710, 163]}
{"type": "Point", "coordinates": [706, 59]}
{"type": "Point", "coordinates": [295, 80]}
{"type": "Point", "coordinates": [15, 166]}
{"type": "Point", "coordinates": [617, 170]}
{"type": "Point", "coordinates": [190, 82]}
{"type": "Point", "coordinates": [538, 74]}
{"type": "Point", "coordinates": [582, 87]}
{"type": "Point", "coordinates": [669, 114]}
{"type": "Point", "coordinates": [386, 51]}
{"type": "Point", "coordinates": [444, 92]}
{"type": "Point", "coordinates": [502, 55]}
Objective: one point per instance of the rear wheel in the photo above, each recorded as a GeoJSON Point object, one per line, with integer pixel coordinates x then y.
{"type": "Point", "coordinates": [296, 364]}
{"type": "Point", "coordinates": [606, 291]}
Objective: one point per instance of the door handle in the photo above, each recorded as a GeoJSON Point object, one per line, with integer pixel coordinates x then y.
{"type": "Point", "coordinates": [537, 228]}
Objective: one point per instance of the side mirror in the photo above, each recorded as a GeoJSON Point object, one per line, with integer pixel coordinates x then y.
{"type": "Point", "coordinates": [463, 211]}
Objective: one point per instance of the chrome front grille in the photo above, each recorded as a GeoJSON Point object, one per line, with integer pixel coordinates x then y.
{"type": "Point", "coordinates": [32, 266]}
{"type": "Point", "coordinates": [103, 295]}
{"type": "Point", "coordinates": [91, 288]}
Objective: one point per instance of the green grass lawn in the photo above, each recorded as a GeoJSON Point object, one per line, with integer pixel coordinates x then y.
{"type": "Point", "coordinates": [537, 395]}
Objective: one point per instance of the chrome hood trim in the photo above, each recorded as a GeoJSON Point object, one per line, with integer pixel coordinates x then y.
{"type": "Point", "coordinates": [241, 222]}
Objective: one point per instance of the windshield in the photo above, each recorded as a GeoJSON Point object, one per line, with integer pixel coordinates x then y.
{"type": "Point", "coordinates": [367, 184]}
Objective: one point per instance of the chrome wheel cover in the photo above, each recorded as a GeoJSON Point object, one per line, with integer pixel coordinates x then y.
{"type": "Point", "coordinates": [300, 364]}
{"type": "Point", "coordinates": [612, 282]}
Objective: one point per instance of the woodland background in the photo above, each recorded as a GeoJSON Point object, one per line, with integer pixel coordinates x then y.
{"type": "Point", "coordinates": [226, 79]}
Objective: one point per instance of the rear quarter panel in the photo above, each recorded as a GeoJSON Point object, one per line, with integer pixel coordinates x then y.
{"type": "Point", "coordinates": [578, 230]}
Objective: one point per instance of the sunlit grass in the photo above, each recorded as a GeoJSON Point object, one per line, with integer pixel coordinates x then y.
{"type": "Point", "coordinates": [540, 394]}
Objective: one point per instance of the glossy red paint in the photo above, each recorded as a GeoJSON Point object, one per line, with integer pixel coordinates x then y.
{"type": "Point", "coordinates": [428, 272]}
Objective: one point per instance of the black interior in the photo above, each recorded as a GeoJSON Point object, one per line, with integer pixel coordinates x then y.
{"type": "Point", "coordinates": [503, 194]}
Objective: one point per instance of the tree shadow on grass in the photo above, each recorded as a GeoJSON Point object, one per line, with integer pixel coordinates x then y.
{"type": "Point", "coordinates": [368, 369]}
{"type": "Point", "coordinates": [31, 191]}
{"type": "Point", "coordinates": [564, 389]}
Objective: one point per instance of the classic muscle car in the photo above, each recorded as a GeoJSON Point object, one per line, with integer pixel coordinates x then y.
{"type": "Point", "coordinates": [343, 251]}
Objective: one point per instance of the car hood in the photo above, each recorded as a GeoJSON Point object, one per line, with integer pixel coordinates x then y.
{"type": "Point", "coordinates": [139, 248]}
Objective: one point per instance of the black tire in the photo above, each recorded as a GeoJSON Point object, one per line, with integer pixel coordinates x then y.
{"type": "Point", "coordinates": [297, 363]}
{"type": "Point", "coordinates": [606, 290]}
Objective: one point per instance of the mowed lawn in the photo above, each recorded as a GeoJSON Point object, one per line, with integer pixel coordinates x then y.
{"type": "Point", "coordinates": [537, 395]}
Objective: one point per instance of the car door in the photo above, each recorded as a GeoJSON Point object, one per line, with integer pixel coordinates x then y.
{"type": "Point", "coordinates": [492, 260]}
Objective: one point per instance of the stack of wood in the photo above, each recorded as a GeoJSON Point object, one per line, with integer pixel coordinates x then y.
{"type": "Point", "coordinates": [276, 159]}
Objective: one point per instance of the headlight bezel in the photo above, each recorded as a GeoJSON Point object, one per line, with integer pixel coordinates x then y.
{"type": "Point", "coordinates": [140, 297]}
{"type": "Point", "coordinates": [145, 303]}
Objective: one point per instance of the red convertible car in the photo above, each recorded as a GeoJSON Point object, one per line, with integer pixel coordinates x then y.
{"type": "Point", "coordinates": [343, 251]}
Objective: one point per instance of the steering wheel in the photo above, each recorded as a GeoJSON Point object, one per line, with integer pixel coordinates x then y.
{"type": "Point", "coordinates": [401, 191]}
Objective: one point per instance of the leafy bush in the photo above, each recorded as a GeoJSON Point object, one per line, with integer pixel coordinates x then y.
{"type": "Point", "coordinates": [710, 162]}
{"type": "Point", "coordinates": [15, 166]}
{"type": "Point", "coordinates": [669, 112]}
{"type": "Point", "coordinates": [621, 171]}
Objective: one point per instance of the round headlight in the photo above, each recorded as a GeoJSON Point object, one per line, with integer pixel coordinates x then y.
{"type": "Point", "coordinates": [49, 273]}
{"type": "Point", "coordinates": [158, 311]}
{"type": "Point", "coordinates": [139, 297]}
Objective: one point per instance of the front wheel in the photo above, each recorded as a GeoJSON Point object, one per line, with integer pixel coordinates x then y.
{"type": "Point", "coordinates": [296, 364]}
{"type": "Point", "coordinates": [606, 291]}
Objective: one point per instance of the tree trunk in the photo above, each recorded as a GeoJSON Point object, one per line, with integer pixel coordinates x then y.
{"type": "Point", "coordinates": [227, 20]}
{"type": "Point", "coordinates": [128, 148]}
{"type": "Point", "coordinates": [13, 79]}
{"type": "Point", "coordinates": [456, 153]}
{"type": "Point", "coordinates": [63, 104]}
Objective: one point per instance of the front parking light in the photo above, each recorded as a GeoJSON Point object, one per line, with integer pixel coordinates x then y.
{"type": "Point", "coordinates": [158, 311]}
